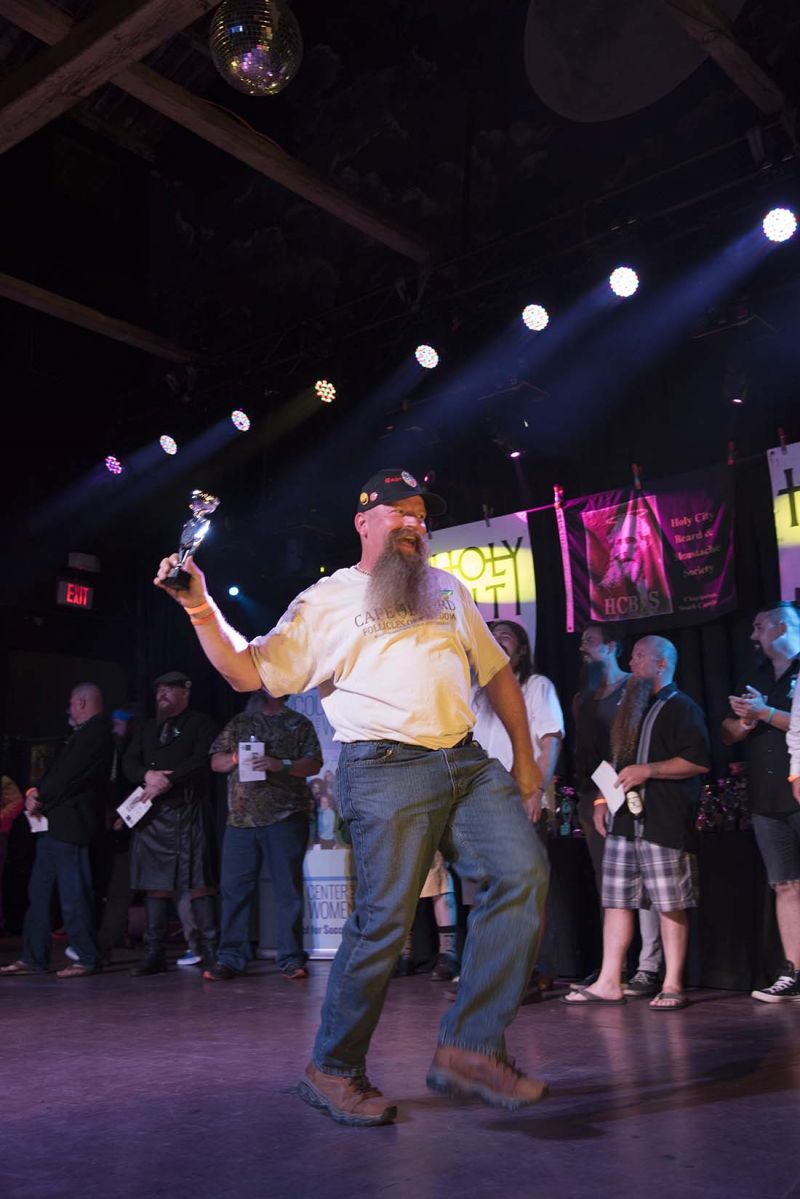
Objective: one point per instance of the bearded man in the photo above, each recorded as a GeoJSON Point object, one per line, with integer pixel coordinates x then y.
{"type": "Point", "coordinates": [391, 644]}
{"type": "Point", "coordinates": [660, 745]}
{"type": "Point", "coordinates": [168, 758]}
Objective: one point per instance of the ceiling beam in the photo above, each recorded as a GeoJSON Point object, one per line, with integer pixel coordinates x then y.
{"type": "Point", "coordinates": [704, 21]}
{"type": "Point", "coordinates": [45, 21]}
{"type": "Point", "coordinates": [89, 318]}
{"type": "Point", "coordinates": [117, 33]}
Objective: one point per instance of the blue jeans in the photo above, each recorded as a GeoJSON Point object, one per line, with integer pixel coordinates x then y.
{"type": "Point", "coordinates": [67, 867]}
{"type": "Point", "coordinates": [403, 803]}
{"type": "Point", "coordinates": [284, 846]}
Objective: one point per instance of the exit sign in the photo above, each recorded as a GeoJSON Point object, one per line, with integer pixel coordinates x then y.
{"type": "Point", "coordinates": [75, 595]}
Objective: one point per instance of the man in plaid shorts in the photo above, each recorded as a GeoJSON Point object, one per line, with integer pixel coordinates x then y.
{"type": "Point", "coordinates": [648, 859]}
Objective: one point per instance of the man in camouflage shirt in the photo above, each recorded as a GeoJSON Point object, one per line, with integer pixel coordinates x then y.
{"type": "Point", "coordinates": [268, 819]}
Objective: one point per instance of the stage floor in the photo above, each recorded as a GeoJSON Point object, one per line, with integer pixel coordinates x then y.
{"type": "Point", "coordinates": [169, 1086]}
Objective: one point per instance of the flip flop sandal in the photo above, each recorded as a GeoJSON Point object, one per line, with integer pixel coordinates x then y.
{"type": "Point", "coordinates": [17, 968]}
{"type": "Point", "coordinates": [590, 997]}
{"type": "Point", "coordinates": [679, 1005]}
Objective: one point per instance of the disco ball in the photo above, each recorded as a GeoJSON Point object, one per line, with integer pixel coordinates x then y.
{"type": "Point", "coordinates": [256, 45]}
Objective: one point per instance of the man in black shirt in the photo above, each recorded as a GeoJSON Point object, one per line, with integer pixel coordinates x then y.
{"type": "Point", "coordinates": [69, 796]}
{"type": "Point", "coordinates": [648, 858]}
{"type": "Point", "coordinates": [760, 714]}
{"type": "Point", "coordinates": [168, 757]}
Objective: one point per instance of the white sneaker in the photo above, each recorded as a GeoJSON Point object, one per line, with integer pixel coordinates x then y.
{"type": "Point", "coordinates": [189, 959]}
{"type": "Point", "coordinates": [71, 953]}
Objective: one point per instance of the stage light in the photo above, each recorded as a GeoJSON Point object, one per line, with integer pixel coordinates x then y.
{"type": "Point", "coordinates": [241, 420]}
{"type": "Point", "coordinates": [623, 281]}
{"type": "Point", "coordinates": [515, 453]}
{"type": "Point", "coordinates": [113, 465]}
{"type": "Point", "coordinates": [325, 390]}
{"type": "Point", "coordinates": [168, 444]}
{"type": "Point", "coordinates": [779, 224]}
{"type": "Point", "coordinates": [233, 590]}
{"type": "Point", "coordinates": [536, 317]}
{"type": "Point", "coordinates": [426, 356]}
{"type": "Point", "coordinates": [322, 570]}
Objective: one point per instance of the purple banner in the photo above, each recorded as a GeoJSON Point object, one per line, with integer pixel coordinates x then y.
{"type": "Point", "coordinates": [663, 554]}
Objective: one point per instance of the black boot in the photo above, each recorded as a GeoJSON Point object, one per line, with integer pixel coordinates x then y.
{"type": "Point", "coordinates": [155, 960]}
{"type": "Point", "coordinates": [205, 917]}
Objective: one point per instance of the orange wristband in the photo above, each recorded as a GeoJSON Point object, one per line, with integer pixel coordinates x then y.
{"type": "Point", "coordinates": [598, 802]}
{"type": "Point", "coordinates": [202, 619]}
{"type": "Point", "coordinates": [198, 608]}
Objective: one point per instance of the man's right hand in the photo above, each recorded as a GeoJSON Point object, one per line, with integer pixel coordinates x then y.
{"type": "Point", "coordinates": [156, 782]}
{"type": "Point", "coordinates": [196, 593]}
{"type": "Point", "coordinates": [600, 817]}
{"type": "Point", "coordinates": [796, 789]}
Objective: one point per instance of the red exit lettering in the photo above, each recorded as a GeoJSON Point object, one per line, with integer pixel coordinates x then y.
{"type": "Point", "coordinates": [78, 594]}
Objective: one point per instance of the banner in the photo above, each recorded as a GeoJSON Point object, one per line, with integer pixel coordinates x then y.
{"type": "Point", "coordinates": [784, 471]}
{"type": "Point", "coordinates": [493, 559]}
{"type": "Point", "coordinates": [663, 554]}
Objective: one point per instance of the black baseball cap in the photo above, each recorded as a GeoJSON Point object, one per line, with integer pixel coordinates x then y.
{"type": "Point", "coordinates": [173, 678]}
{"type": "Point", "coordinates": [391, 484]}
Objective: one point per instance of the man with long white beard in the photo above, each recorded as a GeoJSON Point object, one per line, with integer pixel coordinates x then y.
{"type": "Point", "coordinates": [391, 643]}
{"type": "Point", "coordinates": [660, 746]}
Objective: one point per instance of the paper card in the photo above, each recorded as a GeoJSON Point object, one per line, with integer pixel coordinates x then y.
{"type": "Point", "coordinates": [247, 751]}
{"type": "Point", "coordinates": [132, 810]}
{"type": "Point", "coordinates": [37, 822]}
{"type": "Point", "coordinates": [606, 779]}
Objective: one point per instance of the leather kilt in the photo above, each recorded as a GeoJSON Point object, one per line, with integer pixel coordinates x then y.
{"type": "Point", "coordinates": [170, 845]}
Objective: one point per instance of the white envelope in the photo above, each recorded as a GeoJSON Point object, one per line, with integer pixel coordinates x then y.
{"type": "Point", "coordinates": [38, 823]}
{"type": "Point", "coordinates": [131, 810]}
{"type": "Point", "coordinates": [247, 750]}
{"type": "Point", "coordinates": [606, 778]}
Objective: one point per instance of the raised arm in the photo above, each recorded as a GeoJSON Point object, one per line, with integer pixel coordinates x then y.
{"type": "Point", "coordinates": [226, 650]}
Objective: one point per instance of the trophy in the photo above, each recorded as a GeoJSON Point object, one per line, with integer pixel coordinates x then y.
{"type": "Point", "coordinates": [202, 505]}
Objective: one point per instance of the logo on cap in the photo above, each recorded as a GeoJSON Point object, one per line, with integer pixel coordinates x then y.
{"type": "Point", "coordinates": [362, 499]}
{"type": "Point", "coordinates": [409, 479]}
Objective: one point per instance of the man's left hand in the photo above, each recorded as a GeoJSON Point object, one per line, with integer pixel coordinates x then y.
{"type": "Point", "coordinates": [633, 776]}
{"type": "Point", "coordinates": [796, 789]}
{"type": "Point", "coordinates": [32, 803]}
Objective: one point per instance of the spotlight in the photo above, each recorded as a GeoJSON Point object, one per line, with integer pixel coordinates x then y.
{"type": "Point", "coordinates": [779, 224]}
{"type": "Point", "coordinates": [233, 590]}
{"type": "Point", "coordinates": [623, 281]}
{"type": "Point", "coordinates": [536, 317]}
{"type": "Point", "coordinates": [515, 453]}
{"type": "Point", "coordinates": [113, 465]}
{"type": "Point", "coordinates": [241, 420]}
{"type": "Point", "coordinates": [426, 356]}
{"type": "Point", "coordinates": [322, 570]}
{"type": "Point", "coordinates": [168, 444]}
{"type": "Point", "coordinates": [325, 390]}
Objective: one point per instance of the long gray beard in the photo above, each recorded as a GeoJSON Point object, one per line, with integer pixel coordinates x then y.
{"type": "Point", "coordinates": [628, 721]}
{"type": "Point", "coordinates": [401, 581]}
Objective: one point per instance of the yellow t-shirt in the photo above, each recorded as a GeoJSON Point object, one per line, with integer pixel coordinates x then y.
{"type": "Point", "coordinates": [382, 675]}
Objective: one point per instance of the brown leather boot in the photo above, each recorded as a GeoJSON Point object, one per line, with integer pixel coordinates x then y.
{"type": "Point", "coordinates": [347, 1100]}
{"type": "Point", "coordinates": [498, 1083]}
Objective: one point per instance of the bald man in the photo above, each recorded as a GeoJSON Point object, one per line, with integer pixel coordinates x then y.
{"type": "Point", "coordinates": [68, 796]}
{"type": "Point", "coordinates": [660, 745]}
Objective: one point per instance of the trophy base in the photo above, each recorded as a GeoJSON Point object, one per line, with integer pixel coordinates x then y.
{"type": "Point", "coordinates": [178, 579]}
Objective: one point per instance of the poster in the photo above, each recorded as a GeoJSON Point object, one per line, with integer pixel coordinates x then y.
{"type": "Point", "coordinates": [663, 554]}
{"type": "Point", "coordinates": [494, 561]}
{"type": "Point", "coordinates": [784, 471]}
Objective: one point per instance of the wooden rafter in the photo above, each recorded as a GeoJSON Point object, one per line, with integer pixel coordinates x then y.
{"type": "Point", "coordinates": [118, 33]}
{"type": "Point", "coordinates": [89, 318]}
{"type": "Point", "coordinates": [705, 21]}
{"type": "Point", "coordinates": [50, 24]}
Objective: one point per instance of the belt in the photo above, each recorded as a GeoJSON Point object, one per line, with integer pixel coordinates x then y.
{"type": "Point", "coordinates": [467, 740]}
